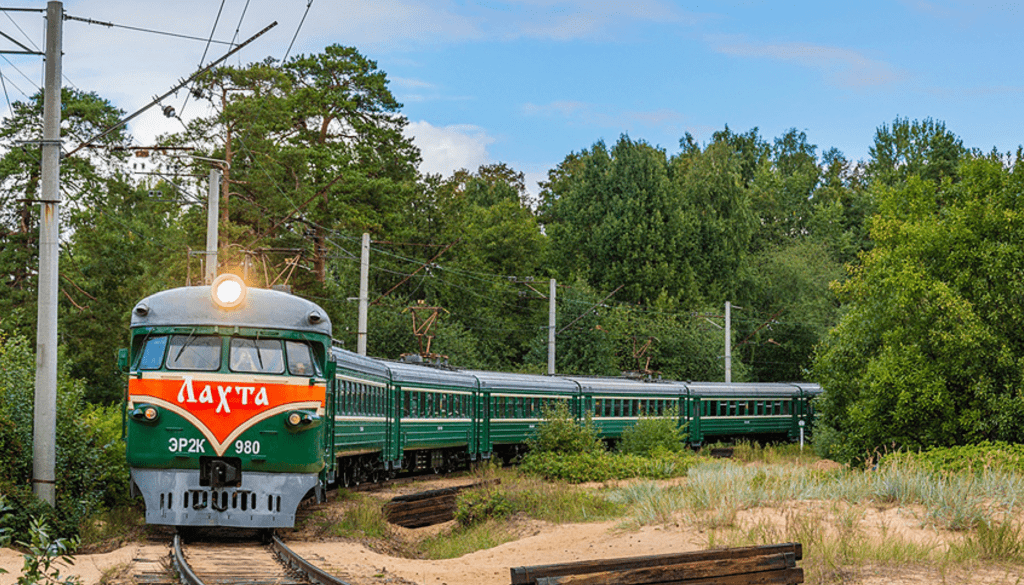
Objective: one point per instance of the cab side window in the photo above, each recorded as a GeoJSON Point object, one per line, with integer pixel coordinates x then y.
{"type": "Point", "coordinates": [300, 359]}
{"type": "Point", "coordinates": [152, 355]}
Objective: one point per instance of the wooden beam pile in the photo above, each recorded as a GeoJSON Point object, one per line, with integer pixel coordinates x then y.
{"type": "Point", "coordinates": [427, 508]}
{"type": "Point", "coordinates": [770, 564]}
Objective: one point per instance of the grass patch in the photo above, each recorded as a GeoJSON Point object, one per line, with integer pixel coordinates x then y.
{"type": "Point", "coordinates": [527, 495]}
{"type": "Point", "coordinates": [110, 529]}
{"type": "Point", "coordinates": [778, 453]}
{"type": "Point", "coordinates": [360, 517]}
{"type": "Point", "coordinates": [466, 539]}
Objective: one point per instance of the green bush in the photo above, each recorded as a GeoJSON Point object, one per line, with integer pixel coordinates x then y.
{"type": "Point", "coordinates": [560, 432]}
{"type": "Point", "coordinates": [653, 434]}
{"type": "Point", "coordinates": [476, 506]}
{"type": "Point", "coordinates": [602, 466]}
{"type": "Point", "coordinates": [91, 468]}
{"type": "Point", "coordinates": [994, 456]}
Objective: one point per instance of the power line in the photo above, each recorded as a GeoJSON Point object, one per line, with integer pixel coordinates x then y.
{"type": "Point", "coordinates": [205, 50]}
{"type": "Point", "coordinates": [29, 79]}
{"type": "Point", "coordinates": [146, 30]}
{"type": "Point", "coordinates": [7, 97]}
{"type": "Point", "coordinates": [240, 19]}
{"type": "Point", "coordinates": [28, 38]}
{"type": "Point", "coordinates": [308, 4]}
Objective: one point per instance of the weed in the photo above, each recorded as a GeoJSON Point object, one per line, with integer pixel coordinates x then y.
{"type": "Point", "coordinates": [464, 540]}
{"type": "Point", "coordinates": [994, 540]}
{"type": "Point", "coordinates": [362, 518]}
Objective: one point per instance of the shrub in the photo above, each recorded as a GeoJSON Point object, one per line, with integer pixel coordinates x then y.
{"type": "Point", "coordinates": [475, 506]}
{"type": "Point", "coordinates": [601, 466]}
{"type": "Point", "coordinates": [651, 434]}
{"type": "Point", "coordinates": [560, 432]}
{"type": "Point", "coordinates": [90, 463]}
{"type": "Point", "coordinates": [994, 456]}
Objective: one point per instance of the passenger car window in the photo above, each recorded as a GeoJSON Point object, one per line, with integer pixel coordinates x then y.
{"type": "Point", "coordinates": [194, 352]}
{"type": "Point", "coordinates": [264, 356]}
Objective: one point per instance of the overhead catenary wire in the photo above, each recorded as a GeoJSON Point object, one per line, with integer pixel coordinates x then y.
{"type": "Point", "coordinates": [146, 30]}
{"type": "Point", "coordinates": [124, 121]}
{"type": "Point", "coordinates": [241, 18]}
{"type": "Point", "coordinates": [216, 21]}
{"type": "Point", "coordinates": [304, 14]}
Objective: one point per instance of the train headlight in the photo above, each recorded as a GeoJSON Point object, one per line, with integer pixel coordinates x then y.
{"type": "Point", "coordinates": [145, 413]}
{"type": "Point", "coordinates": [228, 291]}
{"type": "Point", "coordinates": [300, 420]}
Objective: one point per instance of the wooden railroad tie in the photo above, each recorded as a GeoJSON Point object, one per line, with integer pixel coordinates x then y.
{"type": "Point", "coordinates": [427, 508]}
{"type": "Point", "coordinates": [769, 564]}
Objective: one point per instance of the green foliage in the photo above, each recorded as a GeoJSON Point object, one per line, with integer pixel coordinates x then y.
{"type": "Point", "coordinates": [45, 555]}
{"type": "Point", "coordinates": [929, 348]}
{"type": "Point", "coordinates": [976, 458]}
{"type": "Point", "coordinates": [364, 518]}
{"type": "Point", "coordinates": [654, 434]}
{"type": "Point", "coordinates": [924, 149]}
{"type": "Point", "coordinates": [91, 466]}
{"type": "Point", "coordinates": [603, 466]}
{"type": "Point", "coordinates": [466, 539]}
{"type": "Point", "coordinates": [560, 432]}
{"type": "Point", "coordinates": [476, 506]}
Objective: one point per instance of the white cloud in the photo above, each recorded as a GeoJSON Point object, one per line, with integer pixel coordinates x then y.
{"type": "Point", "coordinates": [447, 149]}
{"type": "Point", "coordinates": [842, 66]}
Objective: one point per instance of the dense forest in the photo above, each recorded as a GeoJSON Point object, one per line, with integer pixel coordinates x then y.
{"type": "Point", "coordinates": [893, 282]}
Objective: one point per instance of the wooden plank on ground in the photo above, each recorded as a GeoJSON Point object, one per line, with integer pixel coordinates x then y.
{"type": "Point", "coordinates": [696, 571]}
{"type": "Point", "coordinates": [528, 575]}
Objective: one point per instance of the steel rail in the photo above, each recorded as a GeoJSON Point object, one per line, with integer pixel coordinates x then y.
{"type": "Point", "coordinates": [184, 570]}
{"type": "Point", "coordinates": [310, 571]}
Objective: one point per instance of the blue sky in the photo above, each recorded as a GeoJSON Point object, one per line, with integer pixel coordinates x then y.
{"type": "Point", "coordinates": [527, 82]}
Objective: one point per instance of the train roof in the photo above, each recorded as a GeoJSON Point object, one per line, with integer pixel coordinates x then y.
{"type": "Point", "coordinates": [746, 389]}
{"type": "Point", "coordinates": [261, 309]}
{"type": "Point", "coordinates": [360, 364]}
{"type": "Point", "coordinates": [626, 386]}
{"type": "Point", "coordinates": [413, 375]}
{"type": "Point", "coordinates": [529, 382]}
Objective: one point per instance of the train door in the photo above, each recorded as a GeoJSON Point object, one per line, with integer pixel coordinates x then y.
{"type": "Point", "coordinates": [330, 389]}
{"type": "Point", "coordinates": [483, 416]}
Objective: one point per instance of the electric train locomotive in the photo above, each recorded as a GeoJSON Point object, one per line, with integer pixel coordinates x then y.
{"type": "Point", "coordinates": [239, 407]}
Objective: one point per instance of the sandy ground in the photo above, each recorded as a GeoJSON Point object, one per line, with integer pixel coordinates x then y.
{"type": "Point", "coordinates": [542, 543]}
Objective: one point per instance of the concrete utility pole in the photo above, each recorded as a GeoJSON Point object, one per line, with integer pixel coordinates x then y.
{"type": "Point", "coordinates": [728, 342]}
{"type": "Point", "coordinates": [44, 431]}
{"type": "Point", "coordinates": [551, 329]}
{"type": "Point", "coordinates": [212, 223]}
{"type": "Point", "coordinates": [364, 295]}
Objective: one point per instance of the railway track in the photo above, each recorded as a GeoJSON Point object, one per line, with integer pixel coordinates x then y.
{"type": "Point", "coordinates": [249, 563]}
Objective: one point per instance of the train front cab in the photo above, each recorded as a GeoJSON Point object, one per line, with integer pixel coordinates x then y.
{"type": "Point", "coordinates": [224, 407]}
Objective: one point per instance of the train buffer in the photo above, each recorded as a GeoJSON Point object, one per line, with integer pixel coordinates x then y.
{"type": "Point", "coordinates": [769, 564]}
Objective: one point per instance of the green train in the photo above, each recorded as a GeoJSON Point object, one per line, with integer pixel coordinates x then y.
{"type": "Point", "coordinates": [239, 407]}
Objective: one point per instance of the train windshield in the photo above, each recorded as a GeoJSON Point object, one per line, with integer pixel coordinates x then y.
{"type": "Point", "coordinates": [193, 352]}
{"type": "Point", "coordinates": [260, 356]}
